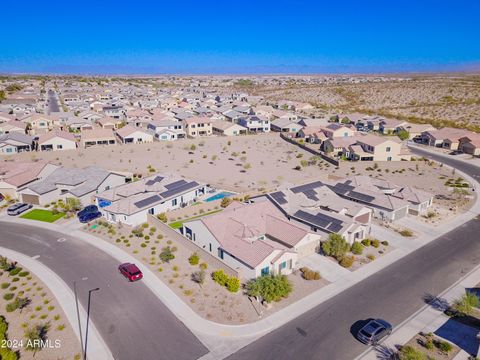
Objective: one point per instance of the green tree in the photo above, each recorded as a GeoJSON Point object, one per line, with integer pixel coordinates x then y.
{"type": "Point", "coordinates": [357, 248]}
{"type": "Point", "coordinates": [270, 288]}
{"type": "Point", "coordinates": [403, 135]}
{"type": "Point", "coordinates": [34, 336]}
{"type": "Point", "coordinates": [74, 204]}
{"type": "Point", "coordinates": [335, 246]}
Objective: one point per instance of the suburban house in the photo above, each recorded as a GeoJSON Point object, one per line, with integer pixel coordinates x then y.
{"type": "Point", "coordinates": [254, 239]}
{"type": "Point", "coordinates": [335, 130]}
{"type": "Point", "coordinates": [255, 124]}
{"type": "Point", "coordinates": [390, 126]}
{"type": "Point", "coordinates": [15, 142]}
{"type": "Point", "coordinates": [39, 124]}
{"type": "Point", "coordinates": [226, 128]}
{"type": "Point", "coordinates": [318, 207]}
{"type": "Point", "coordinates": [97, 137]}
{"type": "Point", "coordinates": [13, 126]}
{"type": "Point", "coordinates": [132, 135]}
{"type": "Point", "coordinates": [116, 112]}
{"type": "Point", "coordinates": [196, 126]}
{"type": "Point", "coordinates": [388, 201]}
{"type": "Point", "coordinates": [15, 176]}
{"type": "Point", "coordinates": [312, 134]}
{"type": "Point", "coordinates": [415, 130]}
{"type": "Point", "coordinates": [130, 203]}
{"type": "Point", "coordinates": [77, 124]}
{"type": "Point", "coordinates": [56, 140]}
{"type": "Point", "coordinates": [470, 144]}
{"type": "Point", "coordinates": [380, 149]}
{"type": "Point", "coordinates": [108, 122]}
{"type": "Point", "coordinates": [167, 129]}
{"type": "Point", "coordinates": [64, 183]}
{"type": "Point", "coordinates": [285, 125]}
{"type": "Point", "coordinates": [448, 138]}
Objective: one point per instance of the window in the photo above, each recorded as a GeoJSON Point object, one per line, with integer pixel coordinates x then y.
{"type": "Point", "coordinates": [210, 247]}
{"type": "Point", "coordinates": [59, 146]}
{"type": "Point", "coordinates": [283, 265]}
{"type": "Point", "coordinates": [265, 271]}
{"type": "Point", "coordinates": [174, 202]}
{"type": "Point", "coordinates": [389, 158]}
{"type": "Point", "coordinates": [388, 149]}
{"type": "Point", "coordinates": [220, 253]}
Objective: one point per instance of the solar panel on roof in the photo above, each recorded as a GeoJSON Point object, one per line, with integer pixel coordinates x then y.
{"type": "Point", "coordinates": [361, 197]}
{"type": "Point", "coordinates": [334, 227]}
{"type": "Point", "coordinates": [148, 201]}
{"type": "Point", "coordinates": [179, 189]}
{"type": "Point", "coordinates": [306, 187]}
{"type": "Point", "coordinates": [154, 180]}
{"type": "Point", "coordinates": [279, 197]}
{"type": "Point", "coordinates": [311, 194]}
{"type": "Point", "coordinates": [175, 184]}
{"type": "Point", "coordinates": [311, 219]}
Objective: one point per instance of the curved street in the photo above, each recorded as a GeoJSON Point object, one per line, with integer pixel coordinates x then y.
{"type": "Point", "coordinates": [394, 293]}
{"type": "Point", "coordinates": [132, 321]}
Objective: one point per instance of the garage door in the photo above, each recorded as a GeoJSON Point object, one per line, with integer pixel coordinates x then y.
{"type": "Point", "coordinates": [31, 199]}
{"type": "Point", "coordinates": [307, 249]}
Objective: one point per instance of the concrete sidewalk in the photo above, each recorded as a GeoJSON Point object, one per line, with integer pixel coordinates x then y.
{"type": "Point", "coordinates": [431, 319]}
{"type": "Point", "coordinates": [97, 349]}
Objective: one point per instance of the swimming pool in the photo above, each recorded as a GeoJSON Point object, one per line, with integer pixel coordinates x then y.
{"type": "Point", "coordinates": [218, 196]}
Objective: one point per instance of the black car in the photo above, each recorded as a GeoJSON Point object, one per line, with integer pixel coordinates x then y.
{"type": "Point", "coordinates": [89, 216]}
{"type": "Point", "coordinates": [87, 209]}
{"type": "Point", "coordinates": [374, 331]}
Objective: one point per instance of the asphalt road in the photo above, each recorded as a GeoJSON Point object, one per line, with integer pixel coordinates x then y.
{"type": "Point", "coordinates": [394, 293]}
{"type": "Point", "coordinates": [132, 321]}
{"type": "Point", "coordinates": [53, 105]}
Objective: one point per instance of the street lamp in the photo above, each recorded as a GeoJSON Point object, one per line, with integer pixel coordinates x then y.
{"type": "Point", "coordinates": [88, 318]}
{"type": "Point", "coordinates": [78, 317]}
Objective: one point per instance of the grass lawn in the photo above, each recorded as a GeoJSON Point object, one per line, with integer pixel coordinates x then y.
{"type": "Point", "coordinates": [179, 224]}
{"type": "Point", "coordinates": [42, 215]}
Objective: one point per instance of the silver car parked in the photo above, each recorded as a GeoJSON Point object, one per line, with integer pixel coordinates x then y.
{"type": "Point", "coordinates": [18, 208]}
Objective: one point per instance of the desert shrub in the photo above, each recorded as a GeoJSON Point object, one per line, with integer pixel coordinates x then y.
{"type": "Point", "coordinates": [371, 257]}
{"type": "Point", "coordinates": [198, 277]}
{"type": "Point", "coordinates": [444, 346]}
{"type": "Point", "coordinates": [466, 304]}
{"type": "Point", "coordinates": [203, 266]}
{"type": "Point", "coordinates": [147, 237]}
{"type": "Point", "coordinates": [5, 285]}
{"type": "Point", "coordinates": [385, 243]}
{"type": "Point", "coordinates": [194, 259]}
{"type": "Point", "coordinates": [162, 217]}
{"type": "Point", "coordinates": [356, 248]}
{"type": "Point", "coordinates": [225, 202]}
{"type": "Point", "coordinates": [8, 296]}
{"type": "Point", "coordinates": [335, 246]}
{"type": "Point", "coordinates": [143, 245]}
{"type": "Point", "coordinates": [309, 274]}
{"type": "Point", "coordinates": [366, 242]}
{"type": "Point", "coordinates": [347, 261]}
{"type": "Point", "coordinates": [375, 243]}
{"type": "Point", "coordinates": [410, 353]}
{"type": "Point", "coordinates": [270, 288]}
{"type": "Point", "coordinates": [166, 255]}
{"type": "Point", "coordinates": [220, 277]}
{"type": "Point", "coordinates": [406, 233]}
{"type": "Point", "coordinates": [233, 284]}
{"type": "Point", "coordinates": [15, 271]}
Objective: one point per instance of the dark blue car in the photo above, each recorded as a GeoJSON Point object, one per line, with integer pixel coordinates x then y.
{"type": "Point", "coordinates": [87, 209]}
{"type": "Point", "coordinates": [89, 216]}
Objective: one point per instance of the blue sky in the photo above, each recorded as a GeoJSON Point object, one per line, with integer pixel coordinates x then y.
{"type": "Point", "coordinates": [282, 36]}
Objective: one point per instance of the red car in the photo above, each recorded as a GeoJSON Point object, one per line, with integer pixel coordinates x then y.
{"type": "Point", "coordinates": [130, 271]}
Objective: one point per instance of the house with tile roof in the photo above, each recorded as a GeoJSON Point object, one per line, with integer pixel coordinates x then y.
{"type": "Point", "coordinates": [255, 239]}
{"type": "Point", "coordinates": [15, 142]}
{"type": "Point", "coordinates": [65, 183]}
{"type": "Point", "coordinates": [97, 137]}
{"type": "Point", "coordinates": [130, 203]}
{"type": "Point", "coordinates": [133, 135]}
{"type": "Point", "coordinates": [318, 207]}
{"type": "Point", "coordinates": [14, 176]}
{"type": "Point", "coordinates": [56, 140]}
